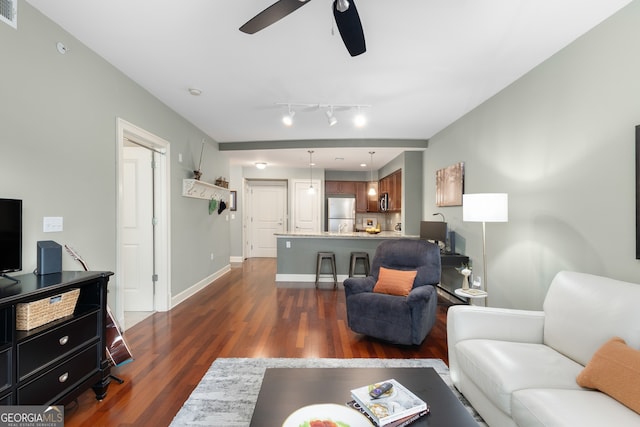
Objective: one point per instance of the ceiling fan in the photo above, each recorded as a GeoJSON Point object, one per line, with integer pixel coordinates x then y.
{"type": "Point", "coordinates": [344, 12]}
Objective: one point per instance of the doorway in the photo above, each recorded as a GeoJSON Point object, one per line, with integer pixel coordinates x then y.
{"type": "Point", "coordinates": [142, 278]}
{"type": "Point", "coordinates": [266, 214]}
{"type": "Point", "coordinates": [307, 207]}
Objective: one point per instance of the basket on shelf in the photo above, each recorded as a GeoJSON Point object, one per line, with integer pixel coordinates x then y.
{"type": "Point", "coordinates": [37, 313]}
{"type": "Point", "coordinates": [222, 182]}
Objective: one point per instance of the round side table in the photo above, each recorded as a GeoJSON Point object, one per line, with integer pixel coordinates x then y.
{"type": "Point", "coordinates": [473, 299]}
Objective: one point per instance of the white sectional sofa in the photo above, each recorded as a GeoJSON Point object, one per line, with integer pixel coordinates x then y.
{"type": "Point", "coordinates": [519, 368]}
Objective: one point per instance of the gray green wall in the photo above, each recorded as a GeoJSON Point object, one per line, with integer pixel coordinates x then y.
{"type": "Point", "coordinates": [560, 141]}
{"type": "Point", "coordinates": [58, 152]}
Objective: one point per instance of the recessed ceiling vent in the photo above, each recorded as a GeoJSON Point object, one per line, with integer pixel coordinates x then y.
{"type": "Point", "coordinates": [9, 12]}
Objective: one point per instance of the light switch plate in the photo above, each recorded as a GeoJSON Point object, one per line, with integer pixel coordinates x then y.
{"type": "Point", "coordinates": [51, 224]}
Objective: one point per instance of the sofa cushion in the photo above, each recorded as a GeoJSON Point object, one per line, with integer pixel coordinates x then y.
{"type": "Point", "coordinates": [615, 370]}
{"type": "Point", "coordinates": [501, 367]}
{"type": "Point", "coordinates": [550, 407]}
{"type": "Point", "coordinates": [583, 311]}
{"type": "Point", "coordinates": [395, 282]}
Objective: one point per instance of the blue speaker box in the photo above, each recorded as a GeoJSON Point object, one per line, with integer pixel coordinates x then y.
{"type": "Point", "coordinates": [49, 257]}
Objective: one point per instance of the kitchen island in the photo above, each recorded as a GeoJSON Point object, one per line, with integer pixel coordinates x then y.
{"type": "Point", "coordinates": [297, 253]}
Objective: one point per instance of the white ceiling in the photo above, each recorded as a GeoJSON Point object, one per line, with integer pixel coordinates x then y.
{"type": "Point", "coordinates": [428, 62]}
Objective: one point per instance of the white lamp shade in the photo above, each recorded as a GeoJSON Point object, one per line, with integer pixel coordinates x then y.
{"type": "Point", "coordinates": [485, 207]}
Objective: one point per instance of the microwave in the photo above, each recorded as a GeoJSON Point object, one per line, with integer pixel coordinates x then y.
{"type": "Point", "coordinates": [383, 204]}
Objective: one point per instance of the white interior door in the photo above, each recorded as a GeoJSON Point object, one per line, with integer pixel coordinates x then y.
{"type": "Point", "coordinates": [137, 237]}
{"type": "Point", "coordinates": [267, 216]}
{"type": "Point", "coordinates": [306, 207]}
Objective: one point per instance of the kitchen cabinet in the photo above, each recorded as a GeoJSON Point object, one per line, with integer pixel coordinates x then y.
{"type": "Point", "coordinates": [395, 199]}
{"type": "Point", "coordinates": [364, 202]}
{"type": "Point", "coordinates": [383, 185]}
{"type": "Point", "coordinates": [372, 200]}
{"type": "Point", "coordinates": [340, 187]}
{"type": "Point", "coordinates": [392, 185]}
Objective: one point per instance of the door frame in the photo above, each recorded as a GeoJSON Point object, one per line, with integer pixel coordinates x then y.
{"type": "Point", "coordinates": [162, 201]}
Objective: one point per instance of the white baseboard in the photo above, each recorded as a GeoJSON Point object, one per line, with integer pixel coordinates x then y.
{"type": "Point", "coordinates": [236, 259]}
{"type": "Point", "coordinates": [184, 295]}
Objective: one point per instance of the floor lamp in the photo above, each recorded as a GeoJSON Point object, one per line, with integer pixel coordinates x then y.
{"type": "Point", "coordinates": [485, 207]}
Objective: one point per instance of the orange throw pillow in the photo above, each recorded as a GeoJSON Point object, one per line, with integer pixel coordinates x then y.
{"type": "Point", "coordinates": [615, 370]}
{"type": "Point", "coordinates": [395, 282]}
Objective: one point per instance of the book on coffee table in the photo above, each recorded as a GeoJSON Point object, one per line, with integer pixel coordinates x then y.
{"type": "Point", "coordinates": [402, 422]}
{"type": "Point", "coordinates": [395, 404]}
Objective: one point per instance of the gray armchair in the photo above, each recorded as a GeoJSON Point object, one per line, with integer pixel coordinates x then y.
{"type": "Point", "coordinates": [397, 319]}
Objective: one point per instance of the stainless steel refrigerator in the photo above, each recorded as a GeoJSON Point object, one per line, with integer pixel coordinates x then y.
{"type": "Point", "coordinates": [341, 214]}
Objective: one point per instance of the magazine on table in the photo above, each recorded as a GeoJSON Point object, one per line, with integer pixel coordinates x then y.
{"type": "Point", "coordinates": [473, 292]}
{"type": "Point", "coordinates": [393, 405]}
{"type": "Point", "coordinates": [402, 422]}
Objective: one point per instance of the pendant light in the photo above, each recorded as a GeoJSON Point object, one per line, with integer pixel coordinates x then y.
{"type": "Point", "coordinates": [372, 189]}
{"type": "Point", "coordinates": [311, 189]}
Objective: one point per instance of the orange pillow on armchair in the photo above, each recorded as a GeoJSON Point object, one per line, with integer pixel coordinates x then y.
{"type": "Point", "coordinates": [395, 282]}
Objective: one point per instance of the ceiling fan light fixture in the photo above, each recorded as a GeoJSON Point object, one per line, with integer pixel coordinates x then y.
{"type": "Point", "coordinates": [342, 5]}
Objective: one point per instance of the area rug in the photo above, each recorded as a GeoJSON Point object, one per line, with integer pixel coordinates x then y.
{"type": "Point", "coordinates": [227, 394]}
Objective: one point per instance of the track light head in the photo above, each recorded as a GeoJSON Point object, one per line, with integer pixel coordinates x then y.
{"type": "Point", "coordinates": [330, 117]}
{"type": "Point", "coordinates": [360, 120]}
{"type": "Point", "coordinates": [287, 119]}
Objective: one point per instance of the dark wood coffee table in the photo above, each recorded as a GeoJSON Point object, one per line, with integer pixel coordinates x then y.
{"type": "Point", "coordinates": [285, 390]}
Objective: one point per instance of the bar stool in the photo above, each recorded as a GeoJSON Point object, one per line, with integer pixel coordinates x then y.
{"type": "Point", "coordinates": [355, 256]}
{"type": "Point", "coordinates": [331, 257]}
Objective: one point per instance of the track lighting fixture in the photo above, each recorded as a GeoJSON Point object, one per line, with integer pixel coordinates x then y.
{"type": "Point", "coordinates": [330, 117]}
{"type": "Point", "coordinates": [287, 119]}
{"type": "Point", "coordinates": [359, 120]}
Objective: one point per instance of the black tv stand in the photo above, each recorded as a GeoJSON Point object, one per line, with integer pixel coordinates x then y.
{"type": "Point", "coordinates": [13, 279]}
{"type": "Point", "coordinates": [54, 363]}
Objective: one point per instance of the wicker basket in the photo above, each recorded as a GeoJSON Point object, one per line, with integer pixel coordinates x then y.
{"type": "Point", "coordinates": [37, 313]}
{"type": "Point", "coordinates": [222, 182]}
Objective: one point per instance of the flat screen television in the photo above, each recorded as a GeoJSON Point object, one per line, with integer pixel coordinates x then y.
{"type": "Point", "coordinates": [433, 230]}
{"type": "Point", "coordinates": [10, 235]}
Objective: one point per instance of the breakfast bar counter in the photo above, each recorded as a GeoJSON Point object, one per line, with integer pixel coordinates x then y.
{"type": "Point", "coordinates": [297, 252]}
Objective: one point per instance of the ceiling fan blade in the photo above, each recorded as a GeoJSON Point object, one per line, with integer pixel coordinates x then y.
{"type": "Point", "coordinates": [272, 14]}
{"type": "Point", "coordinates": [350, 27]}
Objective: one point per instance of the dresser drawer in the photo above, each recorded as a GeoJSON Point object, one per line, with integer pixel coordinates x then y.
{"type": "Point", "coordinates": [5, 369]}
{"type": "Point", "coordinates": [57, 381]}
{"type": "Point", "coordinates": [42, 350]}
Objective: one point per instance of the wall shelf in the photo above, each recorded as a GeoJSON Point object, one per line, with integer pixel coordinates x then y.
{"type": "Point", "coordinates": [203, 190]}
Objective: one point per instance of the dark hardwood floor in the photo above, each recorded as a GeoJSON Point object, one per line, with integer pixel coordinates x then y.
{"type": "Point", "coordinates": [242, 314]}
